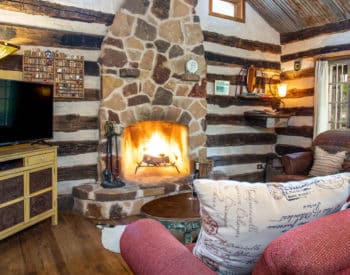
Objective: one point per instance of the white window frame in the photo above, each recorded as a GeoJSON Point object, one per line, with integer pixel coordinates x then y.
{"type": "Point", "coordinates": [339, 94]}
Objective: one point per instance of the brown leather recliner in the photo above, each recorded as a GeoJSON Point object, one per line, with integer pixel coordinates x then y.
{"type": "Point", "coordinates": [296, 166]}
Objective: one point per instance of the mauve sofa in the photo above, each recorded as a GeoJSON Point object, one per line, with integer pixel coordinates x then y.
{"type": "Point", "coordinates": [318, 247]}
{"type": "Point", "coordinates": [150, 249]}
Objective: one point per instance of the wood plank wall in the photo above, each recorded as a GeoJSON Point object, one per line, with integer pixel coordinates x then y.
{"type": "Point", "coordinates": [74, 31]}
{"type": "Point", "coordinates": [236, 147]}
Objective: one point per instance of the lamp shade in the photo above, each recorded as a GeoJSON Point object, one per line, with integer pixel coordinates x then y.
{"type": "Point", "coordinates": [7, 49]}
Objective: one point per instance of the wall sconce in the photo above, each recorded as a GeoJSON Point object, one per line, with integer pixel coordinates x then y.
{"type": "Point", "coordinates": [7, 49]}
{"type": "Point", "coordinates": [280, 92]}
{"type": "Point", "coordinates": [282, 89]}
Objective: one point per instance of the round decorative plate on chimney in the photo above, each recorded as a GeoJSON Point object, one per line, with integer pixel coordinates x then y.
{"type": "Point", "coordinates": [192, 66]}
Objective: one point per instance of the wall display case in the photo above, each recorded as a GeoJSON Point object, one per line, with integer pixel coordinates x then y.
{"type": "Point", "coordinates": [65, 72]}
{"type": "Point", "coordinates": [28, 186]}
{"type": "Point", "coordinates": [69, 76]}
{"type": "Point", "coordinates": [38, 66]}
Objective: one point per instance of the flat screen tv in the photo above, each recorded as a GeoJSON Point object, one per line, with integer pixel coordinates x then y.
{"type": "Point", "coordinates": [26, 111]}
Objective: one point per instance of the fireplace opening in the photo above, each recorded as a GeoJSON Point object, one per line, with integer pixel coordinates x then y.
{"type": "Point", "coordinates": [154, 151]}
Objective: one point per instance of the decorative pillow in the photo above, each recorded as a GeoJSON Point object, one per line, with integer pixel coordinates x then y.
{"type": "Point", "coordinates": [326, 163]}
{"type": "Point", "coordinates": [239, 219]}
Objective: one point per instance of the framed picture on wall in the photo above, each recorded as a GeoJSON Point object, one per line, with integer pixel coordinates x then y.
{"type": "Point", "coordinates": [222, 87]}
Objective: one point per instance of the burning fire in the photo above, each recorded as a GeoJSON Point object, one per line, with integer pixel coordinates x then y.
{"type": "Point", "coordinates": [157, 145]}
{"type": "Point", "coordinates": [154, 148]}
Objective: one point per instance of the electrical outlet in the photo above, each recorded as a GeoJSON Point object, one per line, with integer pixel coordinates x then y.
{"type": "Point", "coordinates": [260, 166]}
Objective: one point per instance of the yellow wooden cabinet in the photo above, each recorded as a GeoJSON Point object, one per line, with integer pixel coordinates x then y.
{"type": "Point", "coordinates": [28, 186]}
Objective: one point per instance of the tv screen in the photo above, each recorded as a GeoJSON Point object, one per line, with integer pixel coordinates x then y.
{"type": "Point", "coordinates": [26, 111]}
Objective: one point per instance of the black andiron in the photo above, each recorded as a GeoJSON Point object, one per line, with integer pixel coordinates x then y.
{"type": "Point", "coordinates": [152, 161]}
{"type": "Point", "coordinates": [111, 180]}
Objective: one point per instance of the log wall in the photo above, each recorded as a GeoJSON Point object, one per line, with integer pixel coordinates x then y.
{"type": "Point", "coordinates": [75, 30]}
{"type": "Point", "coordinates": [236, 147]}
{"type": "Point", "coordinates": [230, 47]}
{"type": "Point", "coordinates": [316, 43]}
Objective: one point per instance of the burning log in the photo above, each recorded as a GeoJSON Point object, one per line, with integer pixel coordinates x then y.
{"type": "Point", "coordinates": [152, 161]}
{"type": "Point", "coordinates": [155, 161]}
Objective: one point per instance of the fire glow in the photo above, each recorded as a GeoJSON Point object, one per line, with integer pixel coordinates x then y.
{"type": "Point", "coordinates": [154, 148]}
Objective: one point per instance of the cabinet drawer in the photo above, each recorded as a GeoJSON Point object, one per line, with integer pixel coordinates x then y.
{"type": "Point", "coordinates": [40, 204]}
{"type": "Point", "coordinates": [39, 180]}
{"type": "Point", "coordinates": [11, 215]}
{"type": "Point", "coordinates": [11, 188]}
{"type": "Point", "coordinates": [40, 158]}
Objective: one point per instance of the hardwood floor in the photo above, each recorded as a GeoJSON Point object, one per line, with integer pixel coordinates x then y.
{"type": "Point", "coordinates": [72, 247]}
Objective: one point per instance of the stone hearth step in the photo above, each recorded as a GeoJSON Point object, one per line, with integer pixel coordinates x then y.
{"type": "Point", "coordinates": [94, 201]}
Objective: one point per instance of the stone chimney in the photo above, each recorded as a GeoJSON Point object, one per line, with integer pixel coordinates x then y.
{"type": "Point", "coordinates": [143, 60]}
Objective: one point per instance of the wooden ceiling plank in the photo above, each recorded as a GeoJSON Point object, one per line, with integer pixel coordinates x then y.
{"type": "Point", "coordinates": [344, 5]}
{"type": "Point", "coordinates": [273, 15]}
{"type": "Point", "coordinates": [291, 13]}
{"type": "Point", "coordinates": [296, 15]}
{"type": "Point", "coordinates": [340, 14]}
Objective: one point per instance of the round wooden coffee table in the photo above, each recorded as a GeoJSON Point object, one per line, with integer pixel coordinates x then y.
{"type": "Point", "coordinates": [178, 213]}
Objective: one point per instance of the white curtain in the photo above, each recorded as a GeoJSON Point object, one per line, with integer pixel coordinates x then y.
{"type": "Point", "coordinates": [321, 97]}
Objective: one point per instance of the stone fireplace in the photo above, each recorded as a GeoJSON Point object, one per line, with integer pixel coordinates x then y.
{"type": "Point", "coordinates": [143, 59]}
{"type": "Point", "coordinates": [143, 72]}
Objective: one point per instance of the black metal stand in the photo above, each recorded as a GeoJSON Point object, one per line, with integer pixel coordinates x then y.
{"type": "Point", "coordinates": [110, 180]}
{"type": "Point", "coordinates": [40, 141]}
{"type": "Point", "coordinates": [114, 184]}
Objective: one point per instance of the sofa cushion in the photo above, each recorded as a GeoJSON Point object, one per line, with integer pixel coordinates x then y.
{"type": "Point", "coordinates": [239, 218]}
{"type": "Point", "coordinates": [319, 247]}
{"type": "Point", "coordinates": [326, 163]}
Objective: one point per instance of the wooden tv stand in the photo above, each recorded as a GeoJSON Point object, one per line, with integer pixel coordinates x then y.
{"type": "Point", "coordinates": [28, 186]}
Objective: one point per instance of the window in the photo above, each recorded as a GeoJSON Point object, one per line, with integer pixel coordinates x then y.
{"type": "Point", "coordinates": [338, 94]}
{"type": "Point", "coordinates": [229, 9]}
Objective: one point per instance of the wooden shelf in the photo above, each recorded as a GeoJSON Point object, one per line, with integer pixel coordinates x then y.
{"type": "Point", "coordinates": [266, 119]}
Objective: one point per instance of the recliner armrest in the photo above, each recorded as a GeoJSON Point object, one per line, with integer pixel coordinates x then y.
{"type": "Point", "coordinates": [297, 163]}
